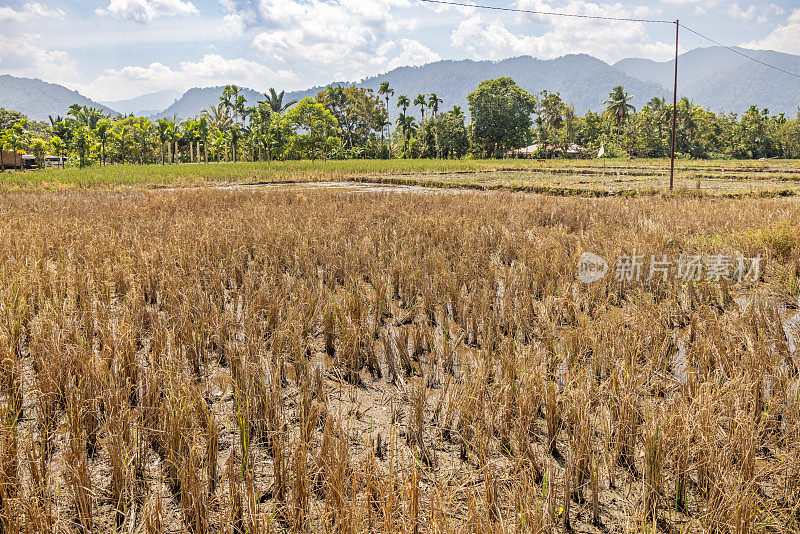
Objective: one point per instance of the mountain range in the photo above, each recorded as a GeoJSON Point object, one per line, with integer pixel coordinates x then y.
{"type": "Point", "coordinates": [715, 77]}
{"type": "Point", "coordinates": [37, 99]}
{"type": "Point", "coordinates": [145, 105]}
{"type": "Point", "coordinates": [720, 79]}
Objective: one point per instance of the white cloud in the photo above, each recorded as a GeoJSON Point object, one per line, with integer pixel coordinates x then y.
{"type": "Point", "coordinates": [784, 38]}
{"type": "Point", "coordinates": [212, 69]}
{"type": "Point", "coordinates": [29, 11]}
{"type": "Point", "coordinates": [233, 24]}
{"type": "Point", "coordinates": [411, 54]}
{"type": "Point", "coordinates": [147, 10]}
{"type": "Point", "coordinates": [706, 3]}
{"type": "Point", "coordinates": [23, 56]}
{"type": "Point", "coordinates": [742, 14]}
{"type": "Point", "coordinates": [345, 38]}
{"type": "Point", "coordinates": [490, 38]}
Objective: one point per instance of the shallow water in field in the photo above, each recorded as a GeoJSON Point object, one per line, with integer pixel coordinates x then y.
{"type": "Point", "coordinates": [790, 319]}
{"type": "Point", "coordinates": [349, 187]}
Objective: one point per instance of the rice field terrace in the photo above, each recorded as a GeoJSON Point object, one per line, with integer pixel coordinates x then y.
{"type": "Point", "coordinates": [612, 177]}
{"type": "Point", "coordinates": [248, 360]}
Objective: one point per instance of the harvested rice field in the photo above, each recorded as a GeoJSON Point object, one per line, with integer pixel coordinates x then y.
{"type": "Point", "coordinates": [612, 177]}
{"type": "Point", "coordinates": [309, 359]}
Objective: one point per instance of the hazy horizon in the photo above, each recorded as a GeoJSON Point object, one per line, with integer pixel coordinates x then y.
{"type": "Point", "coordinates": [113, 50]}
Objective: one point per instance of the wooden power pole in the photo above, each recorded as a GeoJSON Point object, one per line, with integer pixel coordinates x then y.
{"type": "Point", "coordinates": [674, 109]}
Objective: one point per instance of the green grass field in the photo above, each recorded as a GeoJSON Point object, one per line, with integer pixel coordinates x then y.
{"type": "Point", "coordinates": [562, 177]}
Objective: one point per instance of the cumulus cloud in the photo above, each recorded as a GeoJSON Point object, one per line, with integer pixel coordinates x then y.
{"type": "Point", "coordinates": [212, 69]}
{"type": "Point", "coordinates": [342, 38]}
{"type": "Point", "coordinates": [24, 56]}
{"type": "Point", "coordinates": [490, 38]}
{"type": "Point", "coordinates": [784, 38]}
{"type": "Point", "coordinates": [29, 11]}
{"type": "Point", "coordinates": [742, 14]}
{"type": "Point", "coordinates": [147, 10]}
{"type": "Point", "coordinates": [404, 53]}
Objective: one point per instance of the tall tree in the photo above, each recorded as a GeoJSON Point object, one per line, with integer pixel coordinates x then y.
{"type": "Point", "coordinates": [162, 129]}
{"type": "Point", "coordinates": [421, 101]}
{"type": "Point", "coordinates": [387, 92]}
{"type": "Point", "coordinates": [501, 116]}
{"type": "Point", "coordinates": [314, 126]}
{"type": "Point", "coordinates": [275, 101]}
{"type": "Point", "coordinates": [101, 131]}
{"type": "Point", "coordinates": [433, 103]}
{"type": "Point", "coordinates": [618, 107]}
{"type": "Point", "coordinates": [403, 102]}
{"type": "Point", "coordinates": [203, 132]}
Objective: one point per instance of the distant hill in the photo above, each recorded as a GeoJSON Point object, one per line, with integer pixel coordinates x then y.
{"type": "Point", "coordinates": [38, 99]}
{"type": "Point", "coordinates": [721, 80]}
{"type": "Point", "coordinates": [194, 101]}
{"type": "Point", "coordinates": [581, 79]}
{"type": "Point", "coordinates": [145, 105]}
{"type": "Point", "coordinates": [713, 77]}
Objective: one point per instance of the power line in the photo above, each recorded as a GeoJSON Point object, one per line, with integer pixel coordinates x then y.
{"type": "Point", "coordinates": [735, 51]}
{"type": "Point", "coordinates": [622, 19]}
{"type": "Point", "coordinates": [552, 13]}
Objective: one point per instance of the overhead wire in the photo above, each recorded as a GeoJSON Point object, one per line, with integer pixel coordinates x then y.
{"type": "Point", "coordinates": [735, 51]}
{"type": "Point", "coordinates": [620, 19]}
{"type": "Point", "coordinates": [552, 13]}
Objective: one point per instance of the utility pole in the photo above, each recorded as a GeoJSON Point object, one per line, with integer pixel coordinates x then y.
{"type": "Point", "coordinates": [674, 109]}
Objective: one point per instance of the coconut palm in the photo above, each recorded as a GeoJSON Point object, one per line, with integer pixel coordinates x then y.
{"type": "Point", "coordinates": [661, 113]}
{"type": "Point", "coordinates": [275, 101]}
{"type": "Point", "coordinates": [216, 116]}
{"type": "Point", "coordinates": [457, 112]}
{"type": "Point", "coordinates": [618, 107]}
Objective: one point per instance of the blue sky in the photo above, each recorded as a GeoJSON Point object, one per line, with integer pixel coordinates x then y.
{"type": "Point", "coordinates": [118, 49]}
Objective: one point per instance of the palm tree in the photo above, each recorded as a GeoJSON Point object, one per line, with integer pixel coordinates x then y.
{"type": "Point", "coordinates": [661, 113]}
{"type": "Point", "coordinates": [275, 101]}
{"type": "Point", "coordinates": [162, 128]}
{"type": "Point", "coordinates": [143, 128]}
{"type": "Point", "coordinates": [421, 101]}
{"type": "Point", "coordinates": [408, 126]}
{"type": "Point", "coordinates": [121, 141]}
{"type": "Point", "coordinates": [101, 131]}
{"type": "Point", "coordinates": [216, 115]}
{"type": "Point", "coordinates": [457, 112]}
{"type": "Point", "coordinates": [203, 132]}
{"type": "Point", "coordinates": [388, 92]}
{"type": "Point", "coordinates": [382, 121]}
{"type": "Point", "coordinates": [403, 102]}
{"type": "Point", "coordinates": [233, 101]}
{"type": "Point", "coordinates": [618, 107]}
{"type": "Point", "coordinates": [433, 103]}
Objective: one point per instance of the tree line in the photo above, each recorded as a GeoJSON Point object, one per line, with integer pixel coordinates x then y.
{"type": "Point", "coordinates": [353, 122]}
